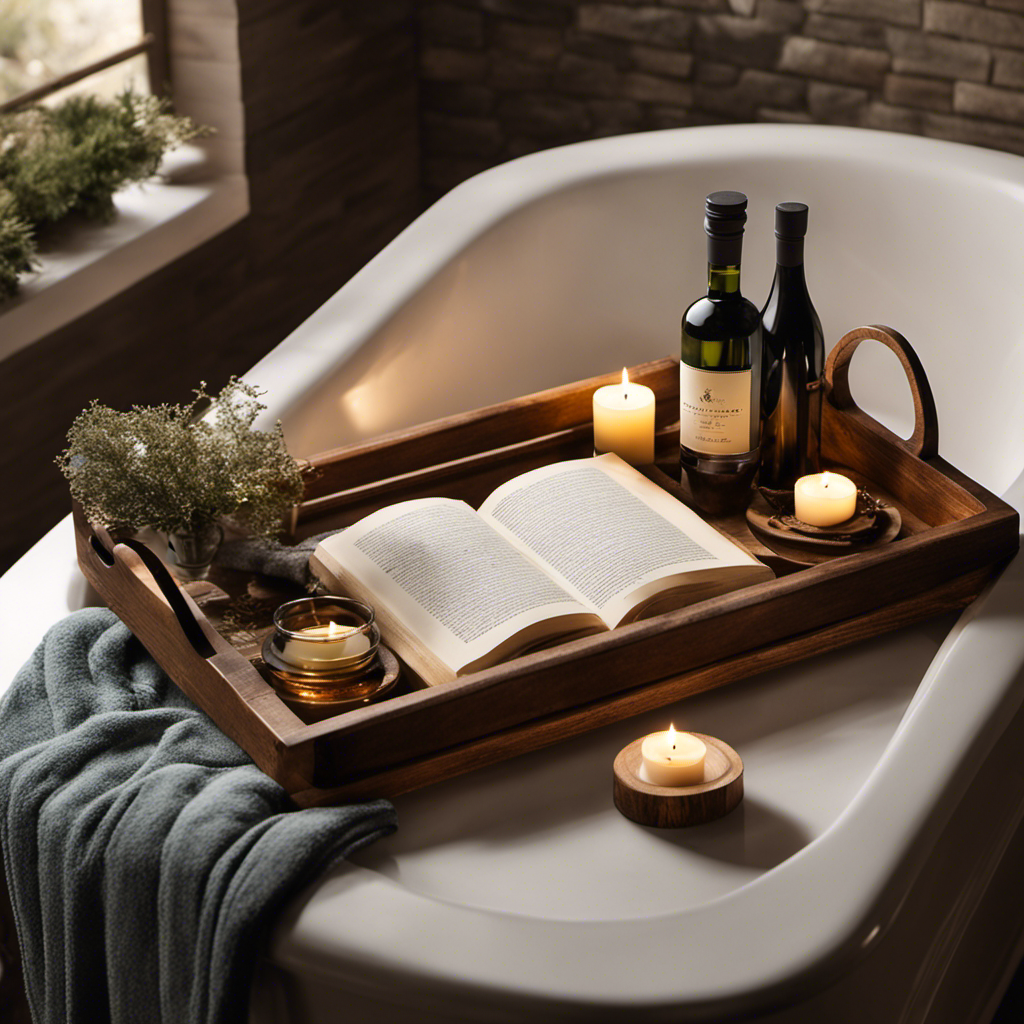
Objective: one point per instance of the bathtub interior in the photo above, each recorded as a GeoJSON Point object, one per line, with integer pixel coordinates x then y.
{"type": "Point", "coordinates": [596, 274]}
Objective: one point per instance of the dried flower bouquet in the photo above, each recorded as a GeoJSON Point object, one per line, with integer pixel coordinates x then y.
{"type": "Point", "coordinates": [173, 469]}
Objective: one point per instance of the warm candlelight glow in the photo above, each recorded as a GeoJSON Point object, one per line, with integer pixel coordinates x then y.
{"type": "Point", "coordinates": [316, 645]}
{"type": "Point", "coordinates": [824, 499]}
{"type": "Point", "coordinates": [321, 639]}
{"type": "Point", "coordinates": [672, 758]}
{"type": "Point", "coordinates": [624, 421]}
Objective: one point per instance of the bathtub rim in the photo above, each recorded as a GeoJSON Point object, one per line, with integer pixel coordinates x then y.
{"type": "Point", "coordinates": [297, 949]}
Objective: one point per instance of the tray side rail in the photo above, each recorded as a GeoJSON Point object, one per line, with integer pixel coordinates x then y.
{"type": "Point", "coordinates": [594, 667]}
{"type": "Point", "coordinates": [851, 437]}
{"type": "Point", "coordinates": [521, 739]}
{"type": "Point", "coordinates": [491, 429]}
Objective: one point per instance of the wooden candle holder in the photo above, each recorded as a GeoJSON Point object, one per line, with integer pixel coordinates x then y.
{"type": "Point", "coordinates": [679, 806]}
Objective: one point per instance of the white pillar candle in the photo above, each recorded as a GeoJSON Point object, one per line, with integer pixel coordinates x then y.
{"type": "Point", "coordinates": [672, 758]}
{"type": "Point", "coordinates": [824, 499]}
{"type": "Point", "coordinates": [336, 643]}
{"type": "Point", "coordinates": [624, 421]}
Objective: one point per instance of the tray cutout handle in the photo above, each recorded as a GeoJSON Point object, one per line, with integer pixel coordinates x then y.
{"type": "Point", "coordinates": [924, 441]}
{"type": "Point", "coordinates": [104, 547]}
{"type": "Point", "coordinates": [172, 594]}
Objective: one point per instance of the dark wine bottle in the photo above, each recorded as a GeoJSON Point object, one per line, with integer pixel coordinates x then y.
{"type": "Point", "coordinates": [720, 371]}
{"type": "Point", "coordinates": [794, 356]}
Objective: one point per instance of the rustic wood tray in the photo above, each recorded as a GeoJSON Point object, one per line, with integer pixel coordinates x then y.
{"type": "Point", "coordinates": [955, 536]}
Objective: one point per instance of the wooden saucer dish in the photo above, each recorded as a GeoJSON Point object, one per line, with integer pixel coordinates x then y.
{"type": "Point", "coordinates": [679, 806]}
{"type": "Point", "coordinates": [770, 518]}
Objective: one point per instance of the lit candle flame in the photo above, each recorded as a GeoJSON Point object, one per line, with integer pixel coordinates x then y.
{"type": "Point", "coordinates": [825, 477]}
{"type": "Point", "coordinates": [334, 630]}
{"type": "Point", "coordinates": [625, 384]}
{"type": "Point", "coordinates": [672, 736]}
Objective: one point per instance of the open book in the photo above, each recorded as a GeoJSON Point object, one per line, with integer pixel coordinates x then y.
{"type": "Point", "coordinates": [559, 552]}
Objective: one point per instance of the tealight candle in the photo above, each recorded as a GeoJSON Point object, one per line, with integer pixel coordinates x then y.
{"type": "Point", "coordinates": [324, 656]}
{"type": "Point", "coordinates": [824, 499]}
{"type": "Point", "coordinates": [325, 644]}
{"type": "Point", "coordinates": [624, 421]}
{"type": "Point", "coordinates": [672, 759]}
{"type": "Point", "coordinates": [324, 636]}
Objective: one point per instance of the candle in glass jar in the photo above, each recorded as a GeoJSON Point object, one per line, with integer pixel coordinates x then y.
{"type": "Point", "coordinates": [672, 758]}
{"type": "Point", "coordinates": [624, 421]}
{"type": "Point", "coordinates": [824, 499]}
{"type": "Point", "coordinates": [327, 643]}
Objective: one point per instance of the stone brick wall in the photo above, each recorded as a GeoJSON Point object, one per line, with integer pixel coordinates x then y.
{"type": "Point", "coordinates": [500, 78]}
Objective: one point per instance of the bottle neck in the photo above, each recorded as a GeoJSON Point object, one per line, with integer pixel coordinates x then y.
{"type": "Point", "coordinates": [789, 252]}
{"type": "Point", "coordinates": [725, 250]}
{"type": "Point", "coordinates": [790, 278]}
{"type": "Point", "coordinates": [723, 280]}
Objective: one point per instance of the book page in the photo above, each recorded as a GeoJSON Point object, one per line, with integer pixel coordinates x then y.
{"type": "Point", "coordinates": [611, 536]}
{"type": "Point", "coordinates": [451, 579]}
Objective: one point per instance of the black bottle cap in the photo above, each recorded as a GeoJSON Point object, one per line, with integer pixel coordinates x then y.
{"type": "Point", "coordinates": [725, 213]}
{"type": "Point", "coordinates": [791, 220]}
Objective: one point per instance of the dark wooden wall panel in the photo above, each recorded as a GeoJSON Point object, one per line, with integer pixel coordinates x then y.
{"type": "Point", "coordinates": [332, 154]}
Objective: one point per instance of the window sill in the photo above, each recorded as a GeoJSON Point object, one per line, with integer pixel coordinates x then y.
{"type": "Point", "coordinates": [157, 222]}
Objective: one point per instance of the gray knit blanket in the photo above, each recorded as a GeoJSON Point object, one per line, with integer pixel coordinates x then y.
{"type": "Point", "coordinates": [145, 855]}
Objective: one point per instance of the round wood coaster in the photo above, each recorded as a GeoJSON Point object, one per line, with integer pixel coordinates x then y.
{"type": "Point", "coordinates": [820, 544]}
{"type": "Point", "coordinates": [679, 806]}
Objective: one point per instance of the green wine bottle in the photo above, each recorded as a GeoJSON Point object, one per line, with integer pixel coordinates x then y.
{"type": "Point", "coordinates": [720, 371]}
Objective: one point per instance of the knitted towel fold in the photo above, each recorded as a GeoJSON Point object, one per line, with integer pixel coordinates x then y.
{"type": "Point", "coordinates": [145, 855]}
{"type": "Point", "coordinates": [271, 558]}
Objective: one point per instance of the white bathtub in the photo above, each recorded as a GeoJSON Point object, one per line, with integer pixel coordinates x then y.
{"type": "Point", "coordinates": [872, 870]}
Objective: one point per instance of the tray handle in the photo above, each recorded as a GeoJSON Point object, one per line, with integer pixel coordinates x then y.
{"type": "Point", "coordinates": [103, 546]}
{"type": "Point", "coordinates": [924, 441]}
{"type": "Point", "coordinates": [172, 594]}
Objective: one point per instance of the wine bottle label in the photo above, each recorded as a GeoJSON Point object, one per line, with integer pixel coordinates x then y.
{"type": "Point", "coordinates": [714, 410]}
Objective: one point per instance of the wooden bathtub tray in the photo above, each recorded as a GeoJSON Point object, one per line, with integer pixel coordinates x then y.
{"type": "Point", "coordinates": [955, 535]}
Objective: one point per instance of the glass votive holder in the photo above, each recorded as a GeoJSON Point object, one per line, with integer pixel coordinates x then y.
{"type": "Point", "coordinates": [323, 653]}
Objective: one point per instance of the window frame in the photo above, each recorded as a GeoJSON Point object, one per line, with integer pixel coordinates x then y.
{"type": "Point", "coordinates": [202, 191]}
{"type": "Point", "coordinates": [154, 44]}
{"type": "Point", "coordinates": [158, 52]}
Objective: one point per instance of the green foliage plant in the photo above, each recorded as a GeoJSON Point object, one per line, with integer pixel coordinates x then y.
{"type": "Point", "coordinates": [168, 467]}
{"type": "Point", "coordinates": [70, 160]}
{"type": "Point", "coordinates": [17, 246]}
